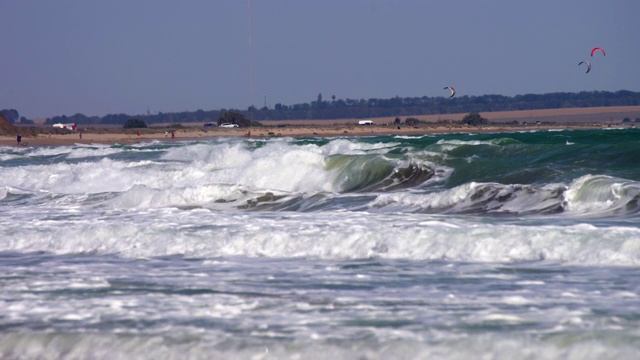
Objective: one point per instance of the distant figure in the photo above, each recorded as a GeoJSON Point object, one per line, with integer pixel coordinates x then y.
{"type": "Point", "coordinates": [166, 134]}
{"type": "Point", "coordinates": [138, 133]}
{"type": "Point", "coordinates": [19, 138]}
{"type": "Point", "coordinates": [173, 134]}
{"type": "Point", "coordinates": [80, 134]}
{"type": "Point", "coordinates": [249, 133]}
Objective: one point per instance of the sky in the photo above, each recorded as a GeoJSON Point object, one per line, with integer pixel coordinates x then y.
{"type": "Point", "coordinates": [98, 57]}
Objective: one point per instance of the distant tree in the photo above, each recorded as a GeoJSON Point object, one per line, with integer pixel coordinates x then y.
{"type": "Point", "coordinates": [134, 124]}
{"type": "Point", "coordinates": [11, 115]}
{"type": "Point", "coordinates": [626, 120]}
{"type": "Point", "coordinates": [397, 120]}
{"type": "Point", "coordinates": [637, 120]}
{"type": "Point", "coordinates": [364, 109]}
{"type": "Point", "coordinates": [474, 119]}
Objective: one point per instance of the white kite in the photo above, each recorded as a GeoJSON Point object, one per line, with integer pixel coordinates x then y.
{"type": "Point", "coordinates": [453, 91]}
{"type": "Point", "coordinates": [588, 65]}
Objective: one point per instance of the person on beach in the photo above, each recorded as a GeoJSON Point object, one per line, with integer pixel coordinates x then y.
{"type": "Point", "coordinates": [19, 138]}
{"type": "Point", "coordinates": [80, 134]}
{"type": "Point", "coordinates": [173, 134]}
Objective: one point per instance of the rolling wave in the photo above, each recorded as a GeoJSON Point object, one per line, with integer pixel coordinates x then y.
{"type": "Point", "coordinates": [422, 175]}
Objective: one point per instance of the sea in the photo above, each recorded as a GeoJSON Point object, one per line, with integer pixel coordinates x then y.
{"type": "Point", "coordinates": [516, 245]}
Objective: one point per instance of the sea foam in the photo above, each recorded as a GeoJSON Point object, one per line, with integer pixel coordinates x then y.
{"type": "Point", "coordinates": [211, 234]}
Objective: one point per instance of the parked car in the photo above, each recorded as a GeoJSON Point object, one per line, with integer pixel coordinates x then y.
{"type": "Point", "coordinates": [226, 125]}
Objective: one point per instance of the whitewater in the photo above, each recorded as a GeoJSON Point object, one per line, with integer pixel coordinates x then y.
{"type": "Point", "coordinates": [441, 246]}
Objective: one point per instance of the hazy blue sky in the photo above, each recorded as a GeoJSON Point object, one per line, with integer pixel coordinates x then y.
{"type": "Point", "coordinates": [61, 57]}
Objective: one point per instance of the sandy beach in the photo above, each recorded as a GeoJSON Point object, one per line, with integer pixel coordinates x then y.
{"type": "Point", "coordinates": [527, 120]}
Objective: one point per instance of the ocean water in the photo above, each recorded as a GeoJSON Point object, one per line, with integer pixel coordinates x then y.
{"type": "Point", "coordinates": [489, 246]}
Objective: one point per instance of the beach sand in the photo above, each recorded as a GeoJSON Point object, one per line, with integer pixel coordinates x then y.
{"type": "Point", "coordinates": [578, 118]}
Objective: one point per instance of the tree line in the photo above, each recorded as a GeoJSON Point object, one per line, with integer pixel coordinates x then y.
{"type": "Point", "coordinates": [370, 108]}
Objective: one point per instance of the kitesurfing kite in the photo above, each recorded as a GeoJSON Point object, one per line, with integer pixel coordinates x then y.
{"type": "Point", "coordinates": [453, 91]}
{"type": "Point", "coordinates": [588, 65]}
{"type": "Point", "coordinates": [596, 49]}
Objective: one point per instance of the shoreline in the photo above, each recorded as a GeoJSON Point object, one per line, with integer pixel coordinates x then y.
{"type": "Point", "coordinates": [499, 121]}
{"type": "Point", "coordinates": [116, 136]}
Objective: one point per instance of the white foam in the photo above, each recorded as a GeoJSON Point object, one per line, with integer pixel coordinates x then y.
{"type": "Point", "coordinates": [465, 142]}
{"type": "Point", "coordinates": [276, 166]}
{"type": "Point", "coordinates": [516, 300]}
{"type": "Point", "coordinates": [600, 194]}
{"type": "Point", "coordinates": [48, 151]}
{"type": "Point", "coordinates": [215, 345]}
{"type": "Point", "coordinates": [349, 147]}
{"type": "Point", "coordinates": [508, 318]}
{"type": "Point", "coordinates": [413, 137]}
{"type": "Point", "coordinates": [83, 151]}
{"type": "Point", "coordinates": [531, 282]}
{"type": "Point", "coordinates": [7, 157]}
{"type": "Point", "coordinates": [336, 235]}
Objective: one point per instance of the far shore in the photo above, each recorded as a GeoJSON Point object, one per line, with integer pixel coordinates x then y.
{"type": "Point", "coordinates": [507, 121]}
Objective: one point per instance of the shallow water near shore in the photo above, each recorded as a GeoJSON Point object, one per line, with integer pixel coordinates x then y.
{"type": "Point", "coordinates": [521, 245]}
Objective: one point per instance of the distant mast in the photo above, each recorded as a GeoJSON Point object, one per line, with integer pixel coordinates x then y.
{"type": "Point", "coordinates": [250, 63]}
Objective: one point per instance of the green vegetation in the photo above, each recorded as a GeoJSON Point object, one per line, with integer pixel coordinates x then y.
{"type": "Point", "coordinates": [474, 119]}
{"type": "Point", "coordinates": [13, 117]}
{"type": "Point", "coordinates": [134, 124]}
